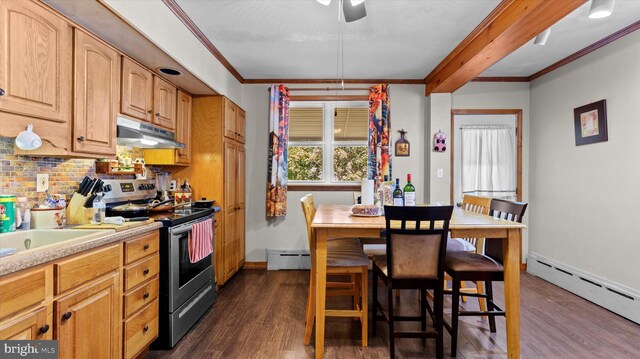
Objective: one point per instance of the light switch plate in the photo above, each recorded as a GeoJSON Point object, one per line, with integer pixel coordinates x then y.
{"type": "Point", "coordinates": [42, 182]}
{"type": "Point", "coordinates": [440, 173]}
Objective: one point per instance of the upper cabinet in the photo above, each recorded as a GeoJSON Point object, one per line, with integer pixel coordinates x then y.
{"type": "Point", "coordinates": [137, 91]}
{"type": "Point", "coordinates": [164, 103]}
{"type": "Point", "coordinates": [97, 96]}
{"type": "Point", "coordinates": [183, 131]}
{"type": "Point", "coordinates": [35, 70]}
{"type": "Point", "coordinates": [234, 121]}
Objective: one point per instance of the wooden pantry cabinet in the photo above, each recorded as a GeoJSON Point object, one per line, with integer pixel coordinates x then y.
{"type": "Point", "coordinates": [217, 171]}
{"type": "Point", "coordinates": [102, 302]}
{"type": "Point", "coordinates": [35, 72]}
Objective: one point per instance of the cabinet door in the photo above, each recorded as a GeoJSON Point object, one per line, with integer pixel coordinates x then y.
{"type": "Point", "coordinates": [229, 243]}
{"type": "Point", "coordinates": [137, 91]}
{"type": "Point", "coordinates": [97, 88]}
{"type": "Point", "coordinates": [240, 216]}
{"type": "Point", "coordinates": [230, 209]}
{"type": "Point", "coordinates": [30, 326]}
{"type": "Point", "coordinates": [240, 125]}
{"type": "Point", "coordinates": [88, 321]}
{"type": "Point", "coordinates": [230, 113]}
{"type": "Point", "coordinates": [164, 103]}
{"type": "Point", "coordinates": [230, 179]}
{"type": "Point", "coordinates": [183, 128]}
{"type": "Point", "coordinates": [35, 62]}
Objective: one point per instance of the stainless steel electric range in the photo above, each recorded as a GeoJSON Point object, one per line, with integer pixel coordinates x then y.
{"type": "Point", "coordinates": [187, 290]}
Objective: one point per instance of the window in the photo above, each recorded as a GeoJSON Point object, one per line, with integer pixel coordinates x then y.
{"type": "Point", "coordinates": [328, 142]}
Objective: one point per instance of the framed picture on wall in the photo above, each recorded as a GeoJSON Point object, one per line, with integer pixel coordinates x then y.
{"type": "Point", "coordinates": [590, 123]}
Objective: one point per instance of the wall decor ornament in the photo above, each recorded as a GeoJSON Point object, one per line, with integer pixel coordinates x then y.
{"type": "Point", "coordinates": [439, 142]}
{"type": "Point", "coordinates": [403, 147]}
{"type": "Point", "coordinates": [590, 122]}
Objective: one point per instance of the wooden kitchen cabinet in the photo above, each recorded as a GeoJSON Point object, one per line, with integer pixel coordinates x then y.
{"type": "Point", "coordinates": [97, 96]}
{"type": "Point", "coordinates": [35, 325]}
{"type": "Point", "coordinates": [35, 72]}
{"type": "Point", "coordinates": [183, 128]}
{"type": "Point", "coordinates": [87, 321]}
{"type": "Point", "coordinates": [234, 121]}
{"type": "Point", "coordinates": [164, 103]}
{"type": "Point", "coordinates": [217, 171]}
{"type": "Point", "coordinates": [137, 91]}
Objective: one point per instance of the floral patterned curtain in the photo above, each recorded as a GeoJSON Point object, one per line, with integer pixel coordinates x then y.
{"type": "Point", "coordinates": [278, 143]}
{"type": "Point", "coordinates": [379, 149]}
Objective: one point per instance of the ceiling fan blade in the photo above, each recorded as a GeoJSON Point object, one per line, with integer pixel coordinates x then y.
{"type": "Point", "coordinates": [353, 13]}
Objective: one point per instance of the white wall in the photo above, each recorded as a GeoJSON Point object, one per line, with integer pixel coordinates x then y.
{"type": "Point", "coordinates": [407, 104]}
{"type": "Point", "coordinates": [584, 199]}
{"type": "Point", "coordinates": [154, 19]}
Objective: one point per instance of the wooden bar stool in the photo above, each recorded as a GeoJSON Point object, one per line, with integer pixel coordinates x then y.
{"type": "Point", "coordinates": [344, 257]}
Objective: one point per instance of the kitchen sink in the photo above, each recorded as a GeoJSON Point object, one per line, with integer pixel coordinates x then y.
{"type": "Point", "coordinates": [37, 238]}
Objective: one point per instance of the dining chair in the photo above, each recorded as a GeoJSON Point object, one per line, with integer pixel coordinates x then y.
{"type": "Point", "coordinates": [345, 257]}
{"type": "Point", "coordinates": [414, 260]}
{"type": "Point", "coordinates": [486, 267]}
{"type": "Point", "coordinates": [480, 205]}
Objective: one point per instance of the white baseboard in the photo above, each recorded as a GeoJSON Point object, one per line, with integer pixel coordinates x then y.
{"type": "Point", "coordinates": [613, 296]}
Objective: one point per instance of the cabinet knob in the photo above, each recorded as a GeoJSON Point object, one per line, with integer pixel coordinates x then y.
{"type": "Point", "coordinates": [150, 111]}
{"type": "Point", "coordinates": [158, 114]}
{"type": "Point", "coordinates": [43, 329]}
{"type": "Point", "coordinates": [1, 92]}
{"type": "Point", "coordinates": [145, 328]}
{"type": "Point", "coordinates": [146, 271]}
{"type": "Point", "coordinates": [66, 315]}
{"type": "Point", "coordinates": [81, 139]}
{"type": "Point", "coordinates": [145, 295]}
{"type": "Point", "coordinates": [146, 246]}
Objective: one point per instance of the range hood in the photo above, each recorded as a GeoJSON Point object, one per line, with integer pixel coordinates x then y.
{"type": "Point", "coordinates": [142, 135]}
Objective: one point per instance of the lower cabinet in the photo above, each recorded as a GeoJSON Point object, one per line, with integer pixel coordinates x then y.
{"type": "Point", "coordinates": [31, 326]}
{"type": "Point", "coordinates": [87, 321]}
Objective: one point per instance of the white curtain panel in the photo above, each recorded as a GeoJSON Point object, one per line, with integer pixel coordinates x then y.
{"type": "Point", "coordinates": [488, 159]}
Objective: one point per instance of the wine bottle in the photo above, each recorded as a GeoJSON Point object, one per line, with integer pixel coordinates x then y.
{"type": "Point", "coordinates": [409, 193]}
{"type": "Point", "coordinates": [398, 198]}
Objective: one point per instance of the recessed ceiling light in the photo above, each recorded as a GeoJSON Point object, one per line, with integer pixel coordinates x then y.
{"type": "Point", "coordinates": [169, 71]}
{"type": "Point", "coordinates": [600, 8]}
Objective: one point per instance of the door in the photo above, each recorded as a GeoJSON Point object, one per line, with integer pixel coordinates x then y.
{"type": "Point", "coordinates": [241, 125]}
{"type": "Point", "coordinates": [30, 326]}
{"type": "Point", "coordinates": [164, 103]}
{"type": "Point", "coordinates": [230, 114]}
{"type": "Point", "coordinates": [230, 209]}
{"type": "Point", "coordinates": [35, 62]}
{"type": "Point", "coordinates": [137, 91]}
{"type": "Point", "coordinates": [183, 128]}
{"type": "Point", "coordinates": [88, 321]}
{"type": "Point", "coordinates": [241, 211]}
{"type": "Point", "coordinates": [487, 154]}
{"type": "Point", "coordinates": [97, 88]}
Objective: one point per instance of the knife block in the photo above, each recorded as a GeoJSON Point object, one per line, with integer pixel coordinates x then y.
{"type": "Point", "coordinates": [76, 213]}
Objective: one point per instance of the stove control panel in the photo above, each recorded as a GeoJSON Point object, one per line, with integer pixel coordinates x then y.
{"type": "Point", "coordinates": [128, 190]}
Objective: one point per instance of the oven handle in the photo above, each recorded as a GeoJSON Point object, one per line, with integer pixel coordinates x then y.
{"type": "Point", "coordinates": [185, 228]}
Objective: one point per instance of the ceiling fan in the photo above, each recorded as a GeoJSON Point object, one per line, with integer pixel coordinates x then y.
{"type": "Point", "coordinates": [353, 9]}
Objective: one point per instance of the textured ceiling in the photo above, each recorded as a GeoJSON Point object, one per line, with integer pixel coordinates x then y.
{"type": "Point", "coordinates": [399, 39]}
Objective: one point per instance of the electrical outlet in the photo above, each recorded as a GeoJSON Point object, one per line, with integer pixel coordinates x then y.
{"type": "Point", "coordinates": [440, 173]}
{"type": "Point", "coordinates": [42, 182]}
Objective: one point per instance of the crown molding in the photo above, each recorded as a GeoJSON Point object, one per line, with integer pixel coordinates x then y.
{"type": "Point", "coordinates": [335, 81]}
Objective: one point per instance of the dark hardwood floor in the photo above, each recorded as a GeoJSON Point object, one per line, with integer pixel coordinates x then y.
{"type": "Point", "coordinates": [260, 314]}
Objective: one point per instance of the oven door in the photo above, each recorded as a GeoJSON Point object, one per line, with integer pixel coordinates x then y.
{"type": "Point", "coordinates": [186, 278]}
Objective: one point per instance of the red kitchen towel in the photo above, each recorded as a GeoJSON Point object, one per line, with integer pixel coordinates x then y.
{"type": "Point", "coordinates": [200, 240]}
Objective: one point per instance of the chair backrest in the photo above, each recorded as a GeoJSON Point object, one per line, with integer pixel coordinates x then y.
{"type": "Point", "coordinates": [476, 204]}
{"type": "Point", "coordinates": [309, 211]}
{"type": "Point", "coordinates": [509, 210]}
{"type": "Point", "coordinates": [416, 249]}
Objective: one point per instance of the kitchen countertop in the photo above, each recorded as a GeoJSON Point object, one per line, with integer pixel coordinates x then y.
{"type": "Point", "coordinates": [37, 256]}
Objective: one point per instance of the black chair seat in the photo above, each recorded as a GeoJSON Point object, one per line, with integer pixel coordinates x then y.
{"type": "Point", "coordinates": [347, 258]}
{"type": "Point", "coordinates": [461, 262]}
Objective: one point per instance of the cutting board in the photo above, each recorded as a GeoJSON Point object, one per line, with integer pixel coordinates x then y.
{"type": "Point", "coordinates": [118, 228]}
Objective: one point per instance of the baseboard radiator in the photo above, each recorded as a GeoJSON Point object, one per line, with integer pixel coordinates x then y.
{"type": "Point", "coordinates": [279, 259]}
{"type": "Point", "coordinates": [615, 297]}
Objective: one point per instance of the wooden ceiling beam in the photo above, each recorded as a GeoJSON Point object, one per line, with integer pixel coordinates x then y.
{"type": "Point", "coordinates": [510, 25]}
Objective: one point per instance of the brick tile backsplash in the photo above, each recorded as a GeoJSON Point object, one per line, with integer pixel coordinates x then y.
{"type": "Point", "coordinates": [18, 172]}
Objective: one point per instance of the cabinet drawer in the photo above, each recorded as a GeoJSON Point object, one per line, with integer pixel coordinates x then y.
{"type": "Point", "coordinates": [140, 330]}
{"type": "Point", "coordinates": [140, 297]}
{"type": "Point", "coordinates": [140, 247]}
{"type": "Point", "coordinates": [141, 271]}
{"type": "Point", "coordinates": [72, 272]}
{"type": "Point", "coordinates": [23, 290]}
